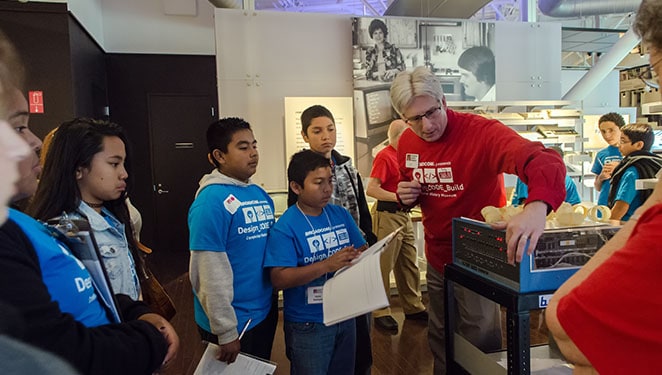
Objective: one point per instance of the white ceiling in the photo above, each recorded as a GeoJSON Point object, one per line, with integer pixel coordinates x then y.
{"type": "Point", "coordinates": [581, 34]}
{"type": "Point", "coordinates": [591, 40]}
{"type": "Point", "coordinates": [353, 7]}
{"type": "Point", "coordinates": [126, 26]}
{"type": "Point", "coordinates": [486, 10]}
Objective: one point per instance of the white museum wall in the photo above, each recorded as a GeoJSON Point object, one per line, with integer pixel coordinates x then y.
{"type": "Point", "coordinates": [260, 62]}
{"type": "Point", "coordinates": [130, 26]}
{"type": "Point", "coordinates": [90, 14]}
{"type": "Point", "coordinates": [605, 94]}
{"type": "Point", "coordinates": [142, 27]}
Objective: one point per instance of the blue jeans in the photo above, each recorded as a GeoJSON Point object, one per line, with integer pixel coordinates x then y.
{"type": "Point", "coordinates": [315, 349]}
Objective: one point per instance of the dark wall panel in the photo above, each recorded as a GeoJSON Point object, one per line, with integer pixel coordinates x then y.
{"type": "Point", "coordinates": [40, 32]}
{"type": "Point", "coordinates": [88, 73]}
{"type": "Point", "coordinates": [131, 77]}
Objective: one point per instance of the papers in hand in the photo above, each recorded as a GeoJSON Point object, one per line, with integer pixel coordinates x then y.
{"type": "Point", "coordinates": [245, 364]}
{"type": "Point", "coordinates": [358, 288]}
{"type": "Point", "coordinates": [378, 247]}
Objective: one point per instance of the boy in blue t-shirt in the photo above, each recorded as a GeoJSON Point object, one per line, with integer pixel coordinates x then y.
{"type": "Point", "coordinates": [309, 242]}
{"type": "Point", "coordinates": [606, 160]}
{"type": "Point", "coordinates": [571, 194]}
{"type": "Point", "coordinates": [522, 192]}
{"type": "Point", "coordinates": [318, 129]}
{"type": "Point", "coordinates": [638, 162]}
{"type": "Point", "coordinates": [228, 223]}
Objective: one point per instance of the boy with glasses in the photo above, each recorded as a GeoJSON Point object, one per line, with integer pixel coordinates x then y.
{"type": "Point", "coordinates": [638, 162]}
{"type": "Point", "coordinates": [460, 159]}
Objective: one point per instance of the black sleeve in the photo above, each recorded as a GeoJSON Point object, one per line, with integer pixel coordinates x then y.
{"type": "Point", "coordinates": [135, 347]}
{"type": "Point", "coordinates": [130, 309]}
{"type": "Point", "coordinates": [365, 220]}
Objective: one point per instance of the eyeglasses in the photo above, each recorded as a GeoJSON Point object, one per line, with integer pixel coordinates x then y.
{"type": "Point", "coordinates": [649, 76]}
{"type": "Point", "coordinates": [416, 120]}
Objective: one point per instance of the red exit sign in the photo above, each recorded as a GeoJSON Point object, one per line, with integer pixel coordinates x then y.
{"type": "Point", "coordinates": [36, 101]}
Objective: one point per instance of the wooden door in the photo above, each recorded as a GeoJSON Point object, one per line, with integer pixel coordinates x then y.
{"type": "Point", "coordinates": [177, 124]}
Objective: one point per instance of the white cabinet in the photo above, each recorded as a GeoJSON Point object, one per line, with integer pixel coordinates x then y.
{"type": "Point", "coordinates": [527, 57]}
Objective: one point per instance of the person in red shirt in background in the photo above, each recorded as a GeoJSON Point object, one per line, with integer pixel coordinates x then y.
{"type": "Point", "coordinates": [606, 317]}
{"type": "Point", "coordinates": [460, 159]}
{"type": "Point", "coordinates": [400, 256]}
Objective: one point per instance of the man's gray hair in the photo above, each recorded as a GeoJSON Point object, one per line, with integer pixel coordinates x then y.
{"type": "Point", "coordinates": [408, 85]}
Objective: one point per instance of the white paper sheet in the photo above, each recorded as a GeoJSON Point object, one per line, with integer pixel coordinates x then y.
{"type": "Point", "coordinates": [357, 289]}
{"type": "Point", "coordinates": [244, 365]}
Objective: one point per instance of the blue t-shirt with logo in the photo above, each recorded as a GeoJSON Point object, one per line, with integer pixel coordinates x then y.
{"type": "Point", "coordinates": [626, 192]}
{"type": "Point", "coordinates": [68, 281]}
{"type": "Point", "coordinates": [236, 220]}
{"type": "Point", "coordinates": [298, 240]}
{"type": "Point", "coordinates": [522, 192]}
{"type": "Point", "coordinates": [606, 155]}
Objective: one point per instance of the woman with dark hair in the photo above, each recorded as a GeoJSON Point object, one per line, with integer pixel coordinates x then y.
{"type": "Point", "coordinates": [85, 176]}
{"type": "Point", "coordinates": [384, 60]}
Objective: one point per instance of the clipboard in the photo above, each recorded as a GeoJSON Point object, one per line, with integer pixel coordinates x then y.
{"type": "Point", "coordinates": [77, 235]}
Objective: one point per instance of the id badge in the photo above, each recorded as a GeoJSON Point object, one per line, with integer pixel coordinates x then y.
{"type": "Point", "coordinates": [411, 161]}
{"type": "Point", "coordinates": [314, 294]}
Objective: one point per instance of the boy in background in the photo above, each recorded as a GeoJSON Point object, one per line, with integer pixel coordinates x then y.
{"type": "Point", "coordinates": [638, 162]}
{"type": "Point", "coordinates": [318, 129]}
{"type": "Point", "coordinates": [310, 241]}
{"type": "Point", "coordinates": [608, 158]}
{"type": "Point", "coordinates": [229, 222]}
{"type": "Point", "coordinates": [571, 194]}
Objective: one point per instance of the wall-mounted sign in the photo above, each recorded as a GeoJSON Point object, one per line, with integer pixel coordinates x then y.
{"type": "Point", "coordinates": [36, 101]}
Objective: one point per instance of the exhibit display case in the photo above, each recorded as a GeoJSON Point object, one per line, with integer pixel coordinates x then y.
{"type": "Point", "coordinates": [551, 122]}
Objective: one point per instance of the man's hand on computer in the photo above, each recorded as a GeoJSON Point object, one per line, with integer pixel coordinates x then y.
{"type": "Point", "coordinates": [523, 230]}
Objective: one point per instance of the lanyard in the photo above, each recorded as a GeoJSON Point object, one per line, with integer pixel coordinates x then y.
{"type": "Point", "coordinates": [312, 228]}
